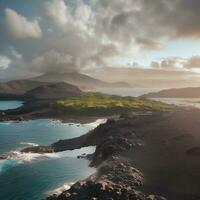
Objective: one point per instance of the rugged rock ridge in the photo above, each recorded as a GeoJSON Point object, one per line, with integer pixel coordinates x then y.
{"type": "Point", "coordinates": [116, 179]}
{"type": "Point", "coordinates": [115, 136]}
{"type": "Point", "coordinates": [159, 144]}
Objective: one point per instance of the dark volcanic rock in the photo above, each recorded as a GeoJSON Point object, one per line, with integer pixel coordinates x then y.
{"type": "Point", "coordinates": [195, 151]}
{"type": "Point", "coordinates": [113, 146]}
{"type": "Point", "coordinates": [110, 138]}
{"type": "Point", "coordinates": [155, 197]}
{"type": "Point", "coordinates": [116, 179]}
{"type": "Point", "coordinates": [157, 143]}
{"type": "Point", "coordinates": [38, 149]}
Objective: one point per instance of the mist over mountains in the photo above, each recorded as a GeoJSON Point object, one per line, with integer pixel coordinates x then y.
{"type": "Point", "coordinates": [80, 80]}
{"type": "Point", "coordinates": [150, 78]}
{"type": "Point", "coordinates": [190, 92]}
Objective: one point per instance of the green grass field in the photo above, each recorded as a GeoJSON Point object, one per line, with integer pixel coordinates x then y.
{"type": "Point", "coordinates": [97, 100]}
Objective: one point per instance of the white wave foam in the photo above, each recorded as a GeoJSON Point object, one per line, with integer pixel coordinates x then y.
{"type": "Point", "coordinates": [24, 157]}
{"type": "Point", "coordinates": [6, 123]}
{"type": "Point", "coordinates": [97, 122]}
{"type": "Point", "coordinates": [76, 152]}
{"type": "Point", "coordinates": [59, 190]}
{"type": "Point", "coordinates": [92, 124]}
{"type": "Point", "coordinates": [54, 122]}
{"type": "Point", "coordinates": [29, 144]}
{"type": "Point", "coordinates": [17, 157]}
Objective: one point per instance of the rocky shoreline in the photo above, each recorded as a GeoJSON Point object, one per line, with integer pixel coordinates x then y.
{"type": "Point", "coordinates": [132, 153]}
{"type": "Point", "coordinates": [116, 177]}
{"type": "Point", "coordinates": [137, 156]}
{"type": "Point", "coordinates": [40, 109]}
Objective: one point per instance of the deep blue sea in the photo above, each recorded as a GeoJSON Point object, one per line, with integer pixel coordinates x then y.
{"type": "Point", "coordinates": [32, 176]}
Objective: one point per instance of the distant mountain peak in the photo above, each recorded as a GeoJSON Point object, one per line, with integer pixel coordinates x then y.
{"type": "Point", "coordinates": [189, 92]}
{"type": "Point", "coordinates": [82, 81]}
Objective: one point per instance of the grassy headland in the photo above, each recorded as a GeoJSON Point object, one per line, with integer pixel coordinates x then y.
{"type": "Point", "coordinates": [90, 101]}
{"type": "Point", "coordinates": [85, 108]}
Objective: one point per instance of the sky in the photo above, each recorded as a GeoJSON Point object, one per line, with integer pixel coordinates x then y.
{"type": "Point", "coordinates": [147, 38]}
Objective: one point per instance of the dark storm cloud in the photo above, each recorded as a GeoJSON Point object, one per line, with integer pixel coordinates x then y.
{"type": "Point", "coordinates": [156, 18]}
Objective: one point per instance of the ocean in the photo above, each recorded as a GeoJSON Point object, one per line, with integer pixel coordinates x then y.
{"type": "Point", "coordinates": [4, 105]}
{"type": "Point", "coordinates": [30, 176]}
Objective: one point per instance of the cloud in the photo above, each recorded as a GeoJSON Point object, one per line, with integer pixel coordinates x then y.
{"type": "Point", "coordinates": [4, 62]}
{"type": "Point", "coordinates": [193, 62]}
{"type": "Point", "coordinates": [70, 18]}
{"type": "Point", "coordinates": [154, 18]}
{"type": "Point", "coordinates": [59, 13]}
{"type": "Point", "coordinates": [52, 61]}
{"type": "Point", "coordinates": [20, 27]}
{"type": "Point", "coordinates": [177, 63]}
{"type": "Point", "coordinates": [148, 44]}
{"type": "Point", "coordinates": [169, 63]}
{"type": "Point", "coordinates": [88, 35]}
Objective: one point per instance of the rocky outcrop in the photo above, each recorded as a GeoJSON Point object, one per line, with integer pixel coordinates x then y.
{"type": "Point", "coordinates": [116, 179]}
{"type": "Point", "coordinates": [160, 144]}
{"type": "Point", "coordinates": [195, 151]}
{"type": "Point", "coordinates": [113, 137]}
{"type": "Point", "coordinates": [114, 146]}
{"type": "Point", "coordinates": [39, 149]}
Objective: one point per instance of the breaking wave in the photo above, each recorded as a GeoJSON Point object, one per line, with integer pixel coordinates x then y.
{"type": "Point", "coordinates": [59, 190]}
{"type": "Point", "coordinates": [97, 122]}
{"type": "Point", "coordinates": [16, 157]}
{"type": "Point", "coordinates": [29, 144]}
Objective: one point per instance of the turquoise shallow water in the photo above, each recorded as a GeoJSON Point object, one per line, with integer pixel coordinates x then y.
{"type": "Point", "coordinates": [4, 105]}
{"type": "Point", "coordinates": [32, 176]}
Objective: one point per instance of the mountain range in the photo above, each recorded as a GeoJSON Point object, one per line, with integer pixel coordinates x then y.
{"type": "Point", "coordinates": [29, 89]}
{"type": "Point", "coordinates": [53, 86]}
{"type": "Point", "coordinates": [189, 92]}
{"type": "Point", "coordinates": [83, 81]}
